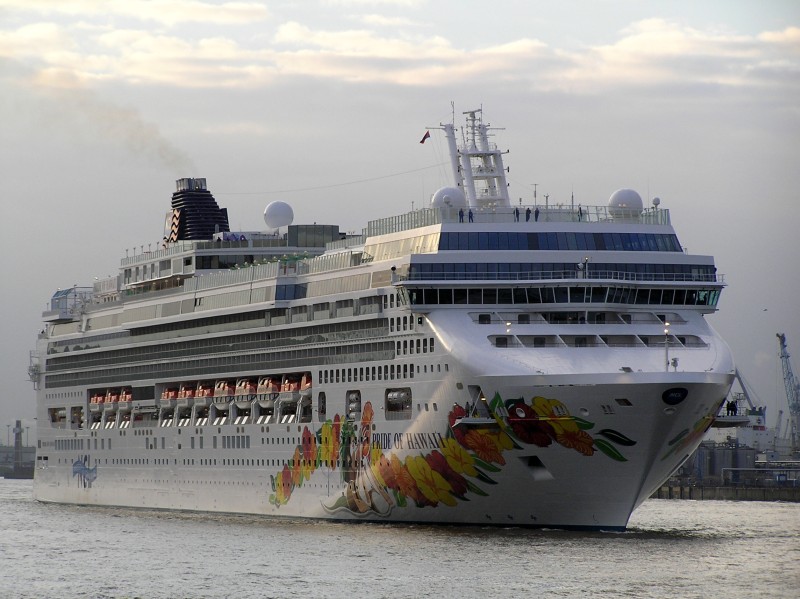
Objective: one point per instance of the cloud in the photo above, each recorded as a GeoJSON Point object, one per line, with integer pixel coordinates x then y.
{"type": "Point", "coordinates": [384, 21]}
{"type": "Point", "coordinates": [789, 37]}
{"type": "Point", "coordinates": [166, 12]}
{"type": "Point", "coordinates": [383, 3]}
{"type": "Point", "coordinates": [656, 52]}
{"type": "Point", "coordinates": [651, 53]}
{"type": "Point", "coordinates": [36, 40]}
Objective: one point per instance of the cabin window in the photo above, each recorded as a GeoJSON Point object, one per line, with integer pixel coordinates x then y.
{"type": "Point", "coordinates": [353, 404]}
{"type": "Point", "coordinates": [321, 406]}
{"type": "Point", "coordinates": [397, 403]}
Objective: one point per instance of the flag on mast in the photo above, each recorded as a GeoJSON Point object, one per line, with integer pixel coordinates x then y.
{"type": "Point", "coordinates": [424, 137]}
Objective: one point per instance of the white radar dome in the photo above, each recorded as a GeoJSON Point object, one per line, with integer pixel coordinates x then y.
{"type": "Point", "coordinates": [278, 214]}
{"type": "Point", "coordinates": [625, 202]}
{"type": "Point", "coordinates": [448, 197]}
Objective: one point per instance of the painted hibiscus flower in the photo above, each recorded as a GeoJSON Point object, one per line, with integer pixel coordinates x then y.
{"type": "Point", "coordinates": [438, 463]}
{"type": "Point", "coordinates": [430, 483]}
{"type": "Point", "coordinates": [384, 466]}
{"type": "Point", "coordinates": [578, 440]}
{"type": "Point", "coordinates": [458, 458]}
{"type": "Point", "coordinates": [484, 447]}
{"type": "Point", "coordinates": [297, 467]}
{"type": "Point", "coordinates": [309, 442]}
{"type": "Point", "coordinates": [283, 487]}
{"type": "Point", "coordinates": [406, 482]}
{"type": "Point", "coordinates": [336, 435]}
{"type": "Point", "coordinates": [525, 424]}
{"type": "Point", "coordinates": [326, 453]}
{"type": "Point", "coordinates": [456, 413]}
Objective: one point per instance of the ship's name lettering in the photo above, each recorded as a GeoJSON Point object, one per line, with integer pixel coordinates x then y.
{"type": "Point", "coordinates": [407, 440]}
{"type": "Point", "coordinates": [423, 440]}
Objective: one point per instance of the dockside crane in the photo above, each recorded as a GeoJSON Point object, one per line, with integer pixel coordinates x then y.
{"type": "Point", "coordinates": [792, 391]}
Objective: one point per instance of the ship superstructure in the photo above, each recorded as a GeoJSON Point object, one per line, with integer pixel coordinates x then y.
{"type": "Point", "coordinates": [468, 362]}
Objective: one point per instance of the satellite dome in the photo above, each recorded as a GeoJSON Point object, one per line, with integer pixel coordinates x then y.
{"type": "Point", "coordinates": [278, 214]}
{"type": "Point", "coordinates": [449, 197]}
{"type": "Point", "coordinates": [625, 198]}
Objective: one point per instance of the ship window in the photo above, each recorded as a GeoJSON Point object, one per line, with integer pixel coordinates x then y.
{"type": "Point", "coordinates": [431, 345]}
{"type": "Point", "coordinates": [623, 401]}
{"type": "Point", "coordinates": [397, 403]}
{"type": "Point", "coordinates": [321, 406]}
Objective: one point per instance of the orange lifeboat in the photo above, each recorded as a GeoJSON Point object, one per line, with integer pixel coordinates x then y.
{"type": "Point", "coordinates": [245, 392]}
{"type": "Point", "coordinates": [169, 396]}
{"type": "Point", "coordinates": [96, 402]}
{"type": "Point", "coordinates": [224, 391]}
{"type": "Point", "coordinates": [125, 398]}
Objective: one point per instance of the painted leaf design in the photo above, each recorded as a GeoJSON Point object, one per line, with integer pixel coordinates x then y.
{"type": "Point", "coordinates": [617, 437]}
{"type": "Point", "coordinates": [584, 425]}
{"type": "Point", "coordinates": [679, 436]}
{"type": "Point", "coordinates": [496, 402]}
{"type": "Point", "coordinates": [609, 450]}
{"type": "Point", "coordinates": [485, 465]}
{"type": "Point", "coordinates": [484, 477]}
{"type": "Point", "coordinates": [341, 502]}
{"type": "Point", "coordinates": [476, 489]}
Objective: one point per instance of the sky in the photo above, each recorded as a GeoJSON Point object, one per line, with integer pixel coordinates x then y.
{"type": "Point", "coordinates": [322, 103]}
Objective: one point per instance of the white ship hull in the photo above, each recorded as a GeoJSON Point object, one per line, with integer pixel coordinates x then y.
{"type": "Point", "coordinates": [521, 483]}
{"type": "Point", "coordinates": [473, 362]}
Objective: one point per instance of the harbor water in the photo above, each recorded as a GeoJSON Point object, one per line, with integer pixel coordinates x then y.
{"type": "Point", "coordinates": [672, 548]}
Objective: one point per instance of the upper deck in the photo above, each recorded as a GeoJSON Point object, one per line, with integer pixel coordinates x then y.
{"type": "Point", "coordinates": [524, 213]}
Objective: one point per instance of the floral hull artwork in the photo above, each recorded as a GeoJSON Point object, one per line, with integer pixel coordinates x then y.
{"type": "Point", "coordinates": [461, 465]}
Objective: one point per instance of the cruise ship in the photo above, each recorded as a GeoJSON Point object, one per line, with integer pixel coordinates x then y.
{"type": "Point", "coordinates": [474, 361]}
